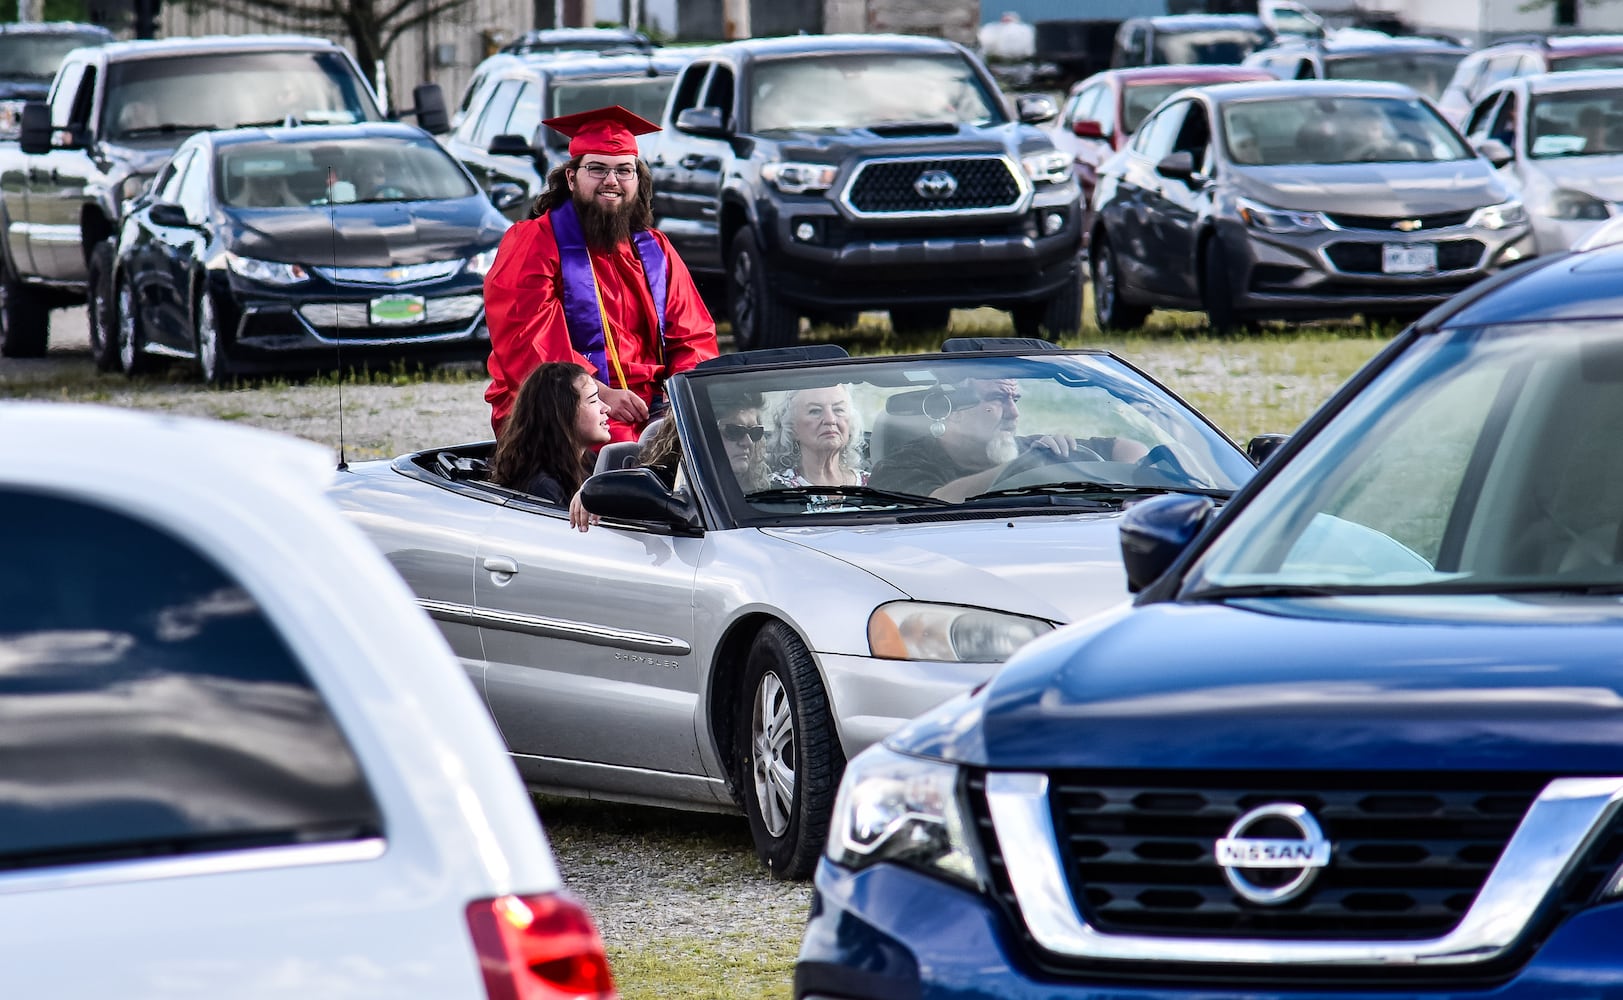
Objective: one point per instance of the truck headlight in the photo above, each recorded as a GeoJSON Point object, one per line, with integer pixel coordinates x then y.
{"type": "Point", "coordinates": [1280, 220]}
{"type": "Point", "coordinates": [913, 630]}
{"type": "Point", "coordinates": [1500, 216]}
{"type": "Point", "coordinates": [11, 119]}
{"type": "Point", "coordinates": [904, 810]}
{"type": "Point", "coordinates": [481, 263]}
{"type": "Point", "coordinates": [1050, 167]}
{"type": "Point", "coordinates": [799, 178]}
{"type": "Point", "coordinates": [1569, 205]}
{"type": "Point", "coordinates": [267, 272]}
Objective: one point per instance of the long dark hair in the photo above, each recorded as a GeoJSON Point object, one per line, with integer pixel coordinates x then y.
{"type": "Point", "coordinates": [557, 192]}
{"type": "Point", "coordinates": [539, 435]}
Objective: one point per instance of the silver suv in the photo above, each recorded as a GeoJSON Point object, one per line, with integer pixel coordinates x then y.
{"type": "Point", "coordinates": [1293, 200]}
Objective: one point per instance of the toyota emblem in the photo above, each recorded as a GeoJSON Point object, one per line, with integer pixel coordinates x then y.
{"type": "Point", "coordinates": [935, 184]}
{"type": "Point", "coordinates": [1276, 867]}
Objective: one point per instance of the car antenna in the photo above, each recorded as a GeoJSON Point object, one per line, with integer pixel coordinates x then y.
{"type": "Point", "coordinates": [338, 333]}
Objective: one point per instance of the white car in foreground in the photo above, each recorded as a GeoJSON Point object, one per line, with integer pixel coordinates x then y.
{"type": "Point", "coordinates": [239, 762]}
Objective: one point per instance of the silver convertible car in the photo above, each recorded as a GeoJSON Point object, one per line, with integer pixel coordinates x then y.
{"type": "Point", "coordinates": [843, 544]}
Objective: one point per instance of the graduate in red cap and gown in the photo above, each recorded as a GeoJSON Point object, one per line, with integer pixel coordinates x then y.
{"type": "Point", "coordinates": [588, 279]}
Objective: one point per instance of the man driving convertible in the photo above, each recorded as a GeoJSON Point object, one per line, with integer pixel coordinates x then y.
{"type": "Point", "coordinates": [972, 441]}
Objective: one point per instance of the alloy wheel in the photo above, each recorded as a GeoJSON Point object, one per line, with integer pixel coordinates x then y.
{"type": "Point", "coordinates": [744, 299]}
{"type": "Point", "coordinates": [772, 735]}
{"type": "Point", "coordinates": [208, 340]}
{"type": "Point", "coordinates": [126, 327]}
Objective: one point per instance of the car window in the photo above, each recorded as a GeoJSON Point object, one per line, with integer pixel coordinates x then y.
{"type": "Point", "coordinates": [152, 707]}
{"type": "Point", "coordinates": [689, 88]}
{"type": "Point", "coordinates": [1593, 60]}
{"type": "Point", "coordinates": [1585, 122]}
{"type": "Point", "coordinates": [1195, 136]}
{"type": "Point", "coordinates": [168, 183]}
{"type": "Point", "coordinates": [1224, 46]}
{"type": "Point", "coordinates": [66, 96]}
{"type": "Point", "coordinates": [861, 90]}
{"type": "Point", "coordinates": [1503, 127]}
{"type": "Point", "coordinates": [1426, 72]}
{"type": "Point", "coordinates": [643, 95]}
{"type": "Point", "coordinates": [1498, 68]}
{"type": "Point", "coordinates": [498, 109]}
{"type": "Point", "coordinates": [316, 172]}
{"type": "Point", "coordinates": [1154, 140]}
{"type": "Point", "coordinates": [194, 194]}
{"type": "Point", "coordinates": [1104, 111]}
{"type": "Point", "coordinates": [526, 116]}
{"type": "Point", "coordinates": [719, 93]}
{"type": "Point", "coordinates": [1140, 99]}
{"type": "Point", "coordinates": [1085, 106]}
{"type": "Point", "coordinates": [1476, 127]}
{"type": "Point", "coordinates": [1274, 132]}
{"type": "Point", "coordinates": [1487, 436]}
{"type": "Point", "coordinates": [36, 55]}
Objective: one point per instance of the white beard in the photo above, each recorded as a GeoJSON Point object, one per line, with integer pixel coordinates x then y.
{"type": "Point", "coordinates": [1002, 448]}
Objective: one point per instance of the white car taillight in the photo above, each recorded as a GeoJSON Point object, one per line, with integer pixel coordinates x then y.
{"type": "Point", "coordinates": [540, 947]}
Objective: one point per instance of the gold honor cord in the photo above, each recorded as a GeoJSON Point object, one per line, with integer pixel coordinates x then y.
{"type": "Point", "coordinates": [608, 331]}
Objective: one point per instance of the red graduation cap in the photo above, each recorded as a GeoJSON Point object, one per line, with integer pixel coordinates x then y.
{"type": "Point", "coordinates": [608, 131]}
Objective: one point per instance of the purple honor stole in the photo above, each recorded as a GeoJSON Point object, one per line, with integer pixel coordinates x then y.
{"type": "Point", "coordinates": [584, 315]}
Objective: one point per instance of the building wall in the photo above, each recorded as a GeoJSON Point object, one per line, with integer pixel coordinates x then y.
{"type": "Point", "coordinates": [1484, 19]}
{"type": "Point", "coordinates": [958, 20]}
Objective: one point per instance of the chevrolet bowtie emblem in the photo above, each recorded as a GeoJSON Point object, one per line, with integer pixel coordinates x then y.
{"type": "Point", "coordinates": [1406, 225]}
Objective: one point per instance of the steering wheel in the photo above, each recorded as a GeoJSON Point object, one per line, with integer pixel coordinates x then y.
{"type": "Point", "coordinates": [1022, 470]}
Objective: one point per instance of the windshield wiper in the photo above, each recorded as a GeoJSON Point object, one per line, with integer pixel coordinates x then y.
{"type": "Point", "coordinates": [164, 129]}
{"type": "Point", "coordinates": [846, 492]}
{"type": "Point", "coordinates": [1085, 486]}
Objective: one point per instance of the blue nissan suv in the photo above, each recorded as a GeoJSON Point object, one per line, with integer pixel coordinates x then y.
{"type": "Point", "coordinates": [1360, 734]}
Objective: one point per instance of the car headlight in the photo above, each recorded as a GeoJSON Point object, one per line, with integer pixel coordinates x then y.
{"type": "Point", "coordinates": [1569, 205]}
{"type": "Point", "coordinates": [913, 630]}
{"type": "Point", "coordinates": [1280, 220]}
{"type": "Point", "coordinates": [481, 263]}
{"type": "Point", "coordinates": [267, 272]}
{"type": "Point", "coordinates": [799, 178]}
{"type": "Point", "coordinates": [11, 119]}
{"type": "Point", "coordinates": [1500, 216]}
{"type": "Point", "coordinates": [1051, 167]}
{"type": "Point", "coordinates": [904, 810]}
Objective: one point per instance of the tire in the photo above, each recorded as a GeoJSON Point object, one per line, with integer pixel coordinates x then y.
{"type": "Point", "coordinates": [914, 320]}
{"type": "Point", "coordinates": [788, 754]}
{"type": "Point", "coordinates": [1109, 309]}
{"type": "Point", "coordinates": [101, 308]}
{"type": "Point", "coordinates": [1216, 290]}
{"type": "Point", "coordinates": [25, 318]}
{"type": "Point", "coordinates": [760, 318]}
{"type": "Point", "coordinates": [1059, 316]}
{"type": "Point", "coordinates": [213, 363]}
{"type": "Point", "coordinates": [133, 359]}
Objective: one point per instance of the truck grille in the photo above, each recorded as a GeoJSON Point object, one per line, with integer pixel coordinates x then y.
{"type": "Point", "coordinates": [1409, 853]}
{"type": "Point", "coordinates": [960, 185]}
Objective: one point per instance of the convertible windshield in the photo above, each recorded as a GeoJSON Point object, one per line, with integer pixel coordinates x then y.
{"type": "Point", "coordinates": [1296, 130]}
{"type": "Point", "coordinates": [1043, 432]}
{"type": "Point", "coordinates": [862, 90]}
{"type": "Point", "coordinates": [1478, 462]}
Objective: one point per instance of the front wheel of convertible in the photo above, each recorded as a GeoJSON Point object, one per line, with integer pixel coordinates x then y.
{"type": "Point", "coordinates": [789, 752]}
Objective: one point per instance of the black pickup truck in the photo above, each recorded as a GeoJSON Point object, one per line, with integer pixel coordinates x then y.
{"type": "Point", "coordinates": [824, 175]}
{"type": "Point", "coordinates": [115, 113]}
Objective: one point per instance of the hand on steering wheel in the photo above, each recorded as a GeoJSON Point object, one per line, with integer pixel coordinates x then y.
{"type": "Point", "coordinates": [1048, 449]}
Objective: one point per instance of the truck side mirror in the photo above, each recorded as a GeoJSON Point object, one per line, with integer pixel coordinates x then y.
{"type": "Point", "coordinates": [702, 121]}
{"type": "Point", "coordinates": [1156, 532]}
{"type": "Point", "coordinates": [428, 104]}
{"type": "Point", "coordinates": [35, 136]}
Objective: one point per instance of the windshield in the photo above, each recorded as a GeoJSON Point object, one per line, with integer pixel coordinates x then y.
{"type": "Point", "coordinates": [182, 94]}
{"type": "Point", "coordinates": [1047, 432]}
{"type": "Point", "coordinates": [643, 95]}
{"type": "Point", "coordinates": [1139, 100]}
{"type": "Point", "coordinates": [1576, 123]}
{"type": "Point", "coordinates": [1426, 72]}
{"type": "Point", "coordinates": [1594, 60]}
{"type": "Point", "coordinates": [1476, 461]}
{"type": "Point", "coordinates": [285, 174]}
{"type": "Point", "coordinates": [27, 56]}
{"type": "Point", "coordinates": [1338, 130]}
{"type": "Point", "coordinates": [1214, 46]}
{"type": "Point", "coordinates": [866, 89]}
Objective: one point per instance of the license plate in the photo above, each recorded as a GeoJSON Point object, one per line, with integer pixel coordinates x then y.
{"type": "Point", "coordinates": [398, 310]}
{"type": "Point", "coordinates": [1408, 258]}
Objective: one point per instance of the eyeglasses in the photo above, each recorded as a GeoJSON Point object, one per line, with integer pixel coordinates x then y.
{"type": "Point", "coordinates": [736, 433]}
{"type": "Point", "coordinates": [598, 171]}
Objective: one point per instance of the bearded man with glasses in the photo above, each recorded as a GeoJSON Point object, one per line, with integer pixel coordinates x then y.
{"type": "Point", "coordinates": [588, 279]}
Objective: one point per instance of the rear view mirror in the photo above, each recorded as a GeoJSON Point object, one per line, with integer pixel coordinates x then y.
{"type": "Point", "coordinates": [1087, 130]}
{"type": "Point", "coordinates": [1156, 532]}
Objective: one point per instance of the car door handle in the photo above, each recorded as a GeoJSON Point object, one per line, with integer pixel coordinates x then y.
{"type": "Point", "coordinates": [501, 564]}
{"type": "Point", "coordinates": [692, 161]}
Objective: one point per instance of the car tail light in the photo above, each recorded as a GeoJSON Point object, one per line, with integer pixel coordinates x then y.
{"type": "Point", "coordinates": [541, 947]}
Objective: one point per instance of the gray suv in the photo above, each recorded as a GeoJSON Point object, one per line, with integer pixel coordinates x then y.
{"type": "Point", "coordinates": [1297, 199]}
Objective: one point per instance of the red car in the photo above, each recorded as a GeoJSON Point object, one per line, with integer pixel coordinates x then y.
{"type": "Point", "coordinates": [1102, 111]}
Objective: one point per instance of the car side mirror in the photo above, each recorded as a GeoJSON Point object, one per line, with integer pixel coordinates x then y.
{"type": "Point", "coordinates": [511, 145]}
{"type": "Point", "coordinates": [1179, 166]}
{"type": "Point", "coordinates": [1259, 448]}
{"type": "Point", "coordinates": [428, 104]}
{"type": "Point", "coordinates": [702, 121]}
{"type": "Point", "coordinates": [1156, 532]}
{"type": "Point", "coordinates": [1034, 109]}
{"type": "Point", "coordinates": [1494, 151]}
{"type": "Point", "coordinates": [167, 213]}
{"type": "Point", "coordinates": [638, 495]}
{"type": "Point", "coordinates": [1087, 130]}
{"type": "Point", "coordinates": [35, 135]}
{"type": "Point", "coordinates": [506, 195]}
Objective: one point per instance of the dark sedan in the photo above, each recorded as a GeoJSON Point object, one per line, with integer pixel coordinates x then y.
{"type": "Point", "coordinates": [305, 248]}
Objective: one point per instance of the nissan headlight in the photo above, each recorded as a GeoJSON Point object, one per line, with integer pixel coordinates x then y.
{"type": "Point", "coordinates": [1051, 167]}
{"type": "Point", "coordinates": [1280, 220]}
{"type": "Point", "coordinates": [1500, 216]}
{"type": "Point", "coordinates": [481, 263]}
{"type": "Point", "coordinates": [1569, 206]}
{"type": "Point", "coordinates": [268, 272]}
{"type": "Point", "coordinates": [799, 178]}
{"type": "Point", "coordinates": [903, 810]}
{"type": "Point", "coordinates": [913, 630]}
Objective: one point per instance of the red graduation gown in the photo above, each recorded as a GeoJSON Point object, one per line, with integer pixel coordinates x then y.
{"type": "Point", "coordinates": [524, 307]}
